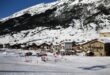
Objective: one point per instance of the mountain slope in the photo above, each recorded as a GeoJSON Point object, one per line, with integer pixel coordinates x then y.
{"type": "Point", "coordinates": [63, 20]}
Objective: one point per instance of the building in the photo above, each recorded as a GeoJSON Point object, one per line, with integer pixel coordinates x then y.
{"type": "Point", "coordinates": [105, 34]}
{"type": "Point", "coordinates": [57, 47]}
{"type": "Point", "coordinates": [99, 47]}
{"type": "Point", "coordinates": [46, 47]}
{"type": "Point", "coordinates": [34, 46]}
{"type": "Point", "coordinates": [69, 45]}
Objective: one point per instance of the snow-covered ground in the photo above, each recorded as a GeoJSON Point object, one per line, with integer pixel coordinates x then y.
{"type": "Point", "coordinates": [13, 64]}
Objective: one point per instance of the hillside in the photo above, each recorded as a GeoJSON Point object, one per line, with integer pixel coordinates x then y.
{"type": "Point", "coordinates": [62, 20]}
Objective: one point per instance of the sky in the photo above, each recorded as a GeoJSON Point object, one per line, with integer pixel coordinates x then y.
{"type": "Point", "coordinates": [8, 7]}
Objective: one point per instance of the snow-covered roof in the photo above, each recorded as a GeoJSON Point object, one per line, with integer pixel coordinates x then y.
{"type": "Point", "coordinates": [105, 31]}
{"type": "Point", "coordinates": [104, 40]}
{"type": "Point", "coordinates": [56, 44]}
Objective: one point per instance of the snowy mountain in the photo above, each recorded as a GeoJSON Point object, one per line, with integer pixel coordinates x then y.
{"type": "Point", "coordinates": [56, 22]}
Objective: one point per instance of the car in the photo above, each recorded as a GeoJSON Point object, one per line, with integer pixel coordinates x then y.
{"type": "Point", "coordinates": [21, 54]}
{"type": "Point", "coordinates": [28, 54]}
{"type": "Point", "coordinates": [41, 54]}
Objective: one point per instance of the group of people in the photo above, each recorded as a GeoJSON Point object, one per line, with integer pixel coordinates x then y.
{"type": "Point", "coordinates": [44, 57]}
{"type": "Point", "coordinates": [55, 55]}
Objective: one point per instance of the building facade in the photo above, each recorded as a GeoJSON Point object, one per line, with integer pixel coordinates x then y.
{"type": "Point", "coordinates": [104, 34]}
{"type": "Point", "coordinates": [99, 47]}
{"type": "Point", "coordinates": [68, 45]}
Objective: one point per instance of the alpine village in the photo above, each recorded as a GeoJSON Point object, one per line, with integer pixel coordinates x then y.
{"type": "Point", "coordinates": [95, 47]}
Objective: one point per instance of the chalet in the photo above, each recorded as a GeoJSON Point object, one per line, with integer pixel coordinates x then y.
{"type": "Point", "coordinates": [76, 48]}
{"type": "Point", "coordinates": [32, 46]}
{"type": "Point", "coordinates": [99, 47]}
{"type": "Point", "coordinates": [57, 47]}
{"type": "Point", "coordinates": [46, 46]}
{"type": "Point", "coordinates": [6, 45]}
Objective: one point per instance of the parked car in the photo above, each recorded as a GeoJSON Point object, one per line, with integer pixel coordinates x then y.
{"type": "Point", "coordinates": [28, 54]}
{"type": "Point", "coordinates": [41, 54]}
{"type": "Point", "coordinates": [22, 54]}
{"type": "Point", "coordinates": [70, 52]}
{"type": "Point", "coordinates": [90, 54]}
